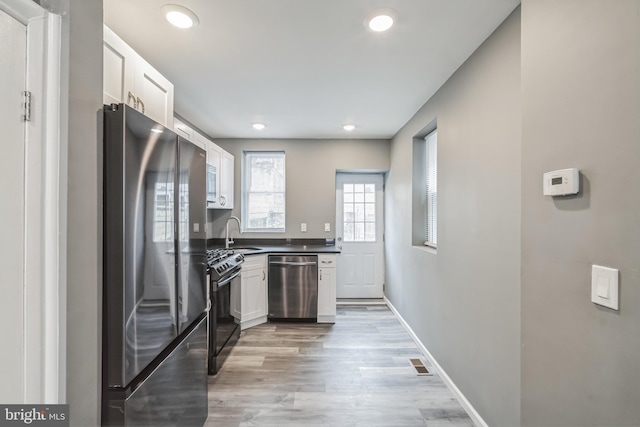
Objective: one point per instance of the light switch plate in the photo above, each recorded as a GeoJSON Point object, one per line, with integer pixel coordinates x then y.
{"type": "Point", "coordinates": [303, 227]}
{"type": "Point", "coordinates": [604, 286]}
{"type": "Point", "coordinates": [327, 226]}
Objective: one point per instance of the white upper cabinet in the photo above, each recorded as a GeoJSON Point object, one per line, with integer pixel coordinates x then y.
{"type": "Point", "coordinates": [118, 76]}
{"type": "Point", "coordinates": [214, 162]}
{"type": "Point", "coordinates": [226, 181]}
{"type": "Point", "coordinates": [155, 93]}
{"type": "Point", "coordinates": [129, 79]}
{"type": "Point", "coordinates": [221, 162]}
{"type": "Point", "coordinates": [185, 131]}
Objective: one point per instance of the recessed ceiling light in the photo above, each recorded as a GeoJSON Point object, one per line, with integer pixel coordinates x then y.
{"type": "Point", "coordinates": [258, 126]}
{"type": "Point", "coordinates": [348, 128]}
{"type": "Point", "coordinates": [380, 20]}
{"type": "Point", "coordinates": [180, 16]}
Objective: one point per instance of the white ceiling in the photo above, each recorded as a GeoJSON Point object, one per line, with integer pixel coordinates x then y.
{"type": "Point", "coordinates": [305, 67]}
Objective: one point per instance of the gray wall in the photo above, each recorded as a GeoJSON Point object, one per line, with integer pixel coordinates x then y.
{"type": "Point", "coordinates": [81, 94]}
{"type": "Point", "coordinates": [311, 166]}
{"type": "Point", "coordinates": [463, 302]}
{"type": "Point", "coordinates": [581, 93]}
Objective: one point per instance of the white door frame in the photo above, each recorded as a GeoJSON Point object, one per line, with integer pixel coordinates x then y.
{"type": "Point", "coordinates": [45, 213]}
{"type": "Point", "coordinates": [361, 264]}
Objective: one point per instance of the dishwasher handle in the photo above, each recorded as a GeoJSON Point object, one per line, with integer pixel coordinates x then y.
{"type": "Point", "coordinates": [292, 263]}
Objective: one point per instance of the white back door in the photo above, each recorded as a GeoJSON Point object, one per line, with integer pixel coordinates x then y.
{"type": "Point", "coordinates": [359, 232]}
{"type": "Point", "coordinates": [13, 54]}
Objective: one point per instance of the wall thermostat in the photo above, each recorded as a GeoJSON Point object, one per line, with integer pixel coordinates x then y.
{"type": "Point", "coordinates": [562, 182]}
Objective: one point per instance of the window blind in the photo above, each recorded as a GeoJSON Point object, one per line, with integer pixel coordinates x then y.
{"type": "Point", "coordinates": [431, 168]}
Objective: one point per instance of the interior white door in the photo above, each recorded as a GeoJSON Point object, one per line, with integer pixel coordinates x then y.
{"type": "Point", "coordinates": [359, 232]}
{"type": "Point", "coordinates": [13, 54]}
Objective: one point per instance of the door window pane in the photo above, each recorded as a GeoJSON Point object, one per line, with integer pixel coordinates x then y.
{"type": "Point", "coordinates": [348, 197]}
{"type": "Point", "coordinates": [359, 212]}
{"type": "Point", "coordinates": [370, 212]}
{"type": "Point", "coordinates": [369, 231]}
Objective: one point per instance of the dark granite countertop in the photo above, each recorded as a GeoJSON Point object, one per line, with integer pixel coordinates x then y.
{"type": "Point", "coordinates": [288, 249]}
{"type": "Point", "coordinates": [267, 246]}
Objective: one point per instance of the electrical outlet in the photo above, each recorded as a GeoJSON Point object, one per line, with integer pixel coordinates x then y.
{"type": "Point", "coordinates": [303, 227]}
{"type": "Point", "coordinates": [327, 226]}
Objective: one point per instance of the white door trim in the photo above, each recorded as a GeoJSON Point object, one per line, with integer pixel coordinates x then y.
{"type": "Point", "coordinates": [354, 269]}
{"type": "Point", "coordinates": [45, 175]}
{"type": "Point", "coordinates": [22, 10]}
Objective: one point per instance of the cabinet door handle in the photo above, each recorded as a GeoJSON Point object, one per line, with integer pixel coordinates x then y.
{"type": "Point", "coordinates": [131, 96]}
{"type": "Point", "coordinates": [264, 275]}
{"type": "Point", "coordinates": [141, 103]}
{"type": "Point", "coordinates": [223, 200]}
{"type": "Point", "coordinates": [320, 274]}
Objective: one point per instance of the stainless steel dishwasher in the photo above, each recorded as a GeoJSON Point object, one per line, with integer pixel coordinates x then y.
{"type": "Point", "coordinates": [293, 287]}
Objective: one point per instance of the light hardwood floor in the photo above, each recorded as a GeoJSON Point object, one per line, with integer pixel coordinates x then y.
{"type": "Point", "coordinates": [354, 373]}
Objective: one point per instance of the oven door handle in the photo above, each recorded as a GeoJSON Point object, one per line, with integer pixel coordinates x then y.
{"type": "Point", "coordinates": [290, 263]}
{"type": "Point", "coordinates": [208, 291]}
{"type": "Point", "coordinates": [229, 279]}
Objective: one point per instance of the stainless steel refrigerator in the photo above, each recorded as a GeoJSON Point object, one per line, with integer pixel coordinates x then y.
{"type": "Point", "coordinates": [154, 274]}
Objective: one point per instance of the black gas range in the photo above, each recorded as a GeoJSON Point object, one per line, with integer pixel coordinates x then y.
{"type": "Point", "coordinates": [223, 266]}
{"type": "Point", "coordinates": [223, 263]}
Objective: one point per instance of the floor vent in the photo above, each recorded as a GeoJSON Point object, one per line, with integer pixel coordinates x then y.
{"type": "Point", "coordinates": [419, 367]}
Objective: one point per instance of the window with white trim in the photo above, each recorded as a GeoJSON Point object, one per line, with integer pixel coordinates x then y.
{"type": "Point", "coordinates": [263, 191]}
{"type": "Point", "coordinates": [431, 187]}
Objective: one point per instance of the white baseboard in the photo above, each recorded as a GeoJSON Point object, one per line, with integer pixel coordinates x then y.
{"type": "Point", "coordinates": [253, 322]}
{"type": "Point", "coordinates": [361, 301]}
{"type": "Point", "coordinates": [473, 414]}
{"type": "Point", "coordinates": [326, 318]}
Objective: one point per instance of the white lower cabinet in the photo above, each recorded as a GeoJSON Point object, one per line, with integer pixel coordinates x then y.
{"type": "Point", "coordinates": [326, 288]}
{"type": "Point", "coordinates": [250, 306]}
{"type": "Point", "coordinates": [249, 293]}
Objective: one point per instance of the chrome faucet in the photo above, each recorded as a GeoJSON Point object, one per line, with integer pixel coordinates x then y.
{"type": "Point", "coordinates": [227, 239]}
